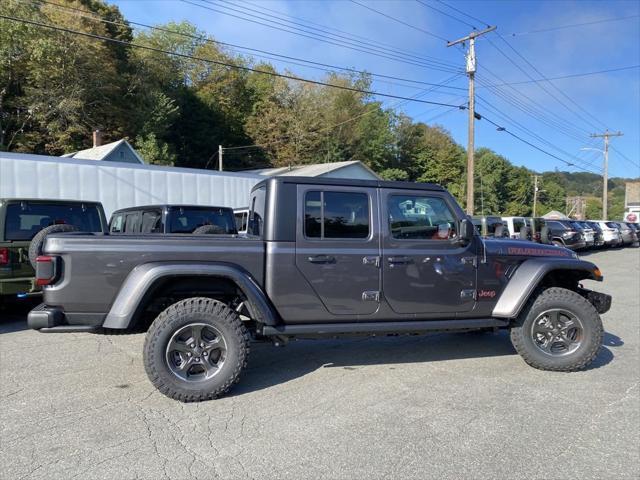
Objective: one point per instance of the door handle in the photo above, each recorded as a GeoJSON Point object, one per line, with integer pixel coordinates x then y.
{"type": "Point", "coordinates": [322, 259]}
{"type": "Point", "coordinates": [399, 261]}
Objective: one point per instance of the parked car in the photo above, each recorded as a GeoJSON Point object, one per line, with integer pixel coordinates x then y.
{"type": "Point", "coordinates": [628, 235]}
{"type": "Point", "coordinates": [22, 219]}
{"type": "Point", "coordinates": [517, 227]}
{"type": "Point", "coordinates": [537, 231]}
{"type": "Point", "coordinates": [564, 233]}
{"type": "Point", "coordinates": [490, 226]}
{"type": "Point", "coordinates": [173, 219]}
{"type": "Point", "coordinates": [587, 233]}
{"type": "Point", "coordinates": [242, 219]}
{"type": "Point", "coordinates": [322, 257]}
{"type": "Point", "coordinates": [598, 235]}
{"type": "Point", "coordinates": [636, 232]}
{"type": "Point", "coordinates": [610, 233]}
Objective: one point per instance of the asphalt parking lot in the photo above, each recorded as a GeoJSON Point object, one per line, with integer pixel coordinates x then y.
{"type": "Point", "coordinates": [439, 406]}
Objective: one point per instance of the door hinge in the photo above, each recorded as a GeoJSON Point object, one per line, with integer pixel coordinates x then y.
{"type": "Point", "coordinates": [371, 261]}
{"type": "Point", "coordinates": [468, 294]}
{"type": "Point", "coordinates": [470, 260]}
{"type": "Point", "coordinates": [371, 296]}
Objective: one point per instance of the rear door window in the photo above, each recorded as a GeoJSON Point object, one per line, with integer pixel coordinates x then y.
{"type": "Point", "coordinates": [23, 220]}
{"type": "Point", "coordinates": [336, 215]}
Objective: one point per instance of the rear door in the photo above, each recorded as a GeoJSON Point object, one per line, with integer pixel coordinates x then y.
{"type": "Point", "coordinates": [338, 246]}
{"type": "Point", "coordinates": [424, 270]}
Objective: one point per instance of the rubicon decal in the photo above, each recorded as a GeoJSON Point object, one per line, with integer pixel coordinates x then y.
{"type": "Point", "coordinates": [538, 252]}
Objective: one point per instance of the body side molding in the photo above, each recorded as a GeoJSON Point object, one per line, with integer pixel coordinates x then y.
{"type": "Point", "coordinates": [143, 277]}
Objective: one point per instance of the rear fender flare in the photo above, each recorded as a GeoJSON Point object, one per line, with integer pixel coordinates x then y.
{"type": "Point", "coordinates": [143, 277]}
{"type": "Point", "coordinates": [529, 275]}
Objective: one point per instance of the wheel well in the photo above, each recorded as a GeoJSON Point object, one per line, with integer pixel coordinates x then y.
{"type": "Point", "coordinates": [563, 278]}
{"type": "Point", "coordinates": [169, 290]}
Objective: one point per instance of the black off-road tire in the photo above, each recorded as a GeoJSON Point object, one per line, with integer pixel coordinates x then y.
{"type": "Point", "coordinates": [558, 298]}
{"type": "Point", "coordinates": [196, 310]}
{"type": "Point", "coordinates": [209, 229]}
{"type": "Point", "coordinates": [35, 247]}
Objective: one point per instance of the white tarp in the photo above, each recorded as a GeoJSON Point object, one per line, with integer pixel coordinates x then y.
{"type": "Point", "coordinates": [119, 185]}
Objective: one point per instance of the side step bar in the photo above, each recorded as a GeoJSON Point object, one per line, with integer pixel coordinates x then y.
{"type": "Point", "coordinates": [383, 327]}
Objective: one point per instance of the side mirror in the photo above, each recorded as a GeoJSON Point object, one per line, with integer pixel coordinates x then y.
{"type": "Point", "coordinates": [466, 231]}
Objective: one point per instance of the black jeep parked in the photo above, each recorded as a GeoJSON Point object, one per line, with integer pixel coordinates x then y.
{"type": "Point", "coordinates": [564, 233]}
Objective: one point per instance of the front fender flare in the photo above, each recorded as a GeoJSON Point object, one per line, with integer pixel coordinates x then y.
{"type": "Point", "coordinates": [528, 276]}
{"type": "Point", "coordinates": [143, 277]}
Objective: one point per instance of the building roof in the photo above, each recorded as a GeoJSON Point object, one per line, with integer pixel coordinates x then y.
{"type": "Point", "coordinates": [555, 215]}
{"type": "Point", "coordinates": [314, 170]}
{"type": "Point", "coordinates": [102, 152]}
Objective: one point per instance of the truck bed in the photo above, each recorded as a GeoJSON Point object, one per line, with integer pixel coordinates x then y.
{"type": "Point", "coordinates": [95, 266]}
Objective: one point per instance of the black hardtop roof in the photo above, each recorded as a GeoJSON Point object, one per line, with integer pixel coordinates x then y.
{"type": "Point", "coordinates": [346, 182]}
{"type": "Point", "coordinates": [170, 205]}
{"type": "Point", "coordinates": [49, 200]}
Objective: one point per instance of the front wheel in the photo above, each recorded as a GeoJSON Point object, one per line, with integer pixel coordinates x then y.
{"type": "Point", "coordinates": [559, 330]}
{"type": "Point", "coordinates": [196, 350]}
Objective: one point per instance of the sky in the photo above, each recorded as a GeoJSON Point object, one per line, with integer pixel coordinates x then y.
{"type": "Point", "coordinates": [557, 116]}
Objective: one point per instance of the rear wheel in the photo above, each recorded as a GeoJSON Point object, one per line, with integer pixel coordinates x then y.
{"type": "Point", "coordinates": [558, 330]}
{"type": "Point", "coordinates": [196, 350]}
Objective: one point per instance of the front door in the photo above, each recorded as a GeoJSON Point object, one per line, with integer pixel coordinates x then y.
{"type": "Point", "coordinates": [338, 246]}
{"type": "Point", "coordinates": [424, 269]}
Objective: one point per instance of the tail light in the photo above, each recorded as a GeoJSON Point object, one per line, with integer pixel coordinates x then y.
{"type": "Point", "coordinates": [45, 270]}
{"type": "Point", "coordinates": [4, 256]}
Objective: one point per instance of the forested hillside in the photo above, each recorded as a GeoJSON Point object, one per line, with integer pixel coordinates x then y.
{"type": "Point", "coordinates": [56, 87]}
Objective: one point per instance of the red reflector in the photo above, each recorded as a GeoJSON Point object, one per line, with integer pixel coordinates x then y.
{"type": "Point", "coordinates": [45, 270]}
{"type": "Point", "coordinates": [4, 256]}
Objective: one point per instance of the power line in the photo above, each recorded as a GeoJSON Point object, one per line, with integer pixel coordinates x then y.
{"type": "Point", "coordinates": [475, 19]}
{"type": "Point", "coordinates": [349, 36]}
{"type": "Point", "coordinates": [503, 129]}
{"type": "Point", "coordinates": [556, 88]}
{"type": "Point", "coordinates": [571, 75]}
{"type": "Point", "coordinates": [331, 127]}
{"type": "Point", "coordinates": [92, 16]}
{"type": "Point", "coordinates": [426, 32]}
{"type": "Point", "coordinates": [625, 157]}
{"type": "Point", "coordinates": [216, 62]}
{"type": "Point", "coordinates": [445, 13]}
{"type": "Point", "coordinates": [531, 133]}
{"type": "Point", "coordinates": [323, 38]}
{"type": "Point", "coordinates": [561, 27]}
{"type": "Point", "coordinates": [353, 35]}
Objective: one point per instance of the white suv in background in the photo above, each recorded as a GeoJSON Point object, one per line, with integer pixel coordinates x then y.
{"type": "Point", "coordinates": [514, 225]}
{"type": "Point", "coordinates": [610, 232]}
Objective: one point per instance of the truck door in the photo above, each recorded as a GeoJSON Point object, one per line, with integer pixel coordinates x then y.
{"type": "Point", "coordinates": [424, 270]}
{"type": "Point", "coordinates": [338, 246]}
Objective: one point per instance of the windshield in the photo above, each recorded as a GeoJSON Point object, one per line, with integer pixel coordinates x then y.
{"type": "Point", "coordinates": [24, 220]}
{"type": "Point", "coordinates": [186, 219]}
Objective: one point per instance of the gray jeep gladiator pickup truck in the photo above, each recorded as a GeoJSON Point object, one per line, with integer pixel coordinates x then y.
{"type": "Point", "coordinates": [322, 257]}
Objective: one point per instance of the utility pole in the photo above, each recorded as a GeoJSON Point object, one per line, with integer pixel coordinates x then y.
{"type": "Point", "coordinates": [220, 157]}
{"type": "Point", "coordinates": [471, 70]}
{"type": "Point", "coordinates": [605, 169]}
{"type": "Point", "coordinates": [535, 194]}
